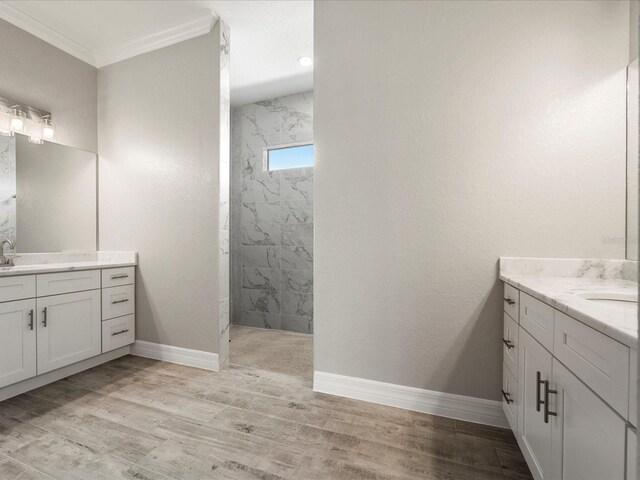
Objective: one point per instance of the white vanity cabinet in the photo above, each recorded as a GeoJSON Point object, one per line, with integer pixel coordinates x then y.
{"type": "Point", "coordinates": [49, 321]}
{"type": "Point", "coordinates": [69, 329]}
{"type": "Point", "coordinates": [573, 415]}
{"type": "Point", "coordinates": [588, 438]}
{"type": "Point", "coordinates": [534, 434]}
{"type": "Point", "coordinates": [17, 341]}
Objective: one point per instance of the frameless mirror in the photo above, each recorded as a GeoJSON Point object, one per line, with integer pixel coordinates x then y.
{"type": "Point", "coordinates": [48, 196]}
{"type": "Point", "coordinates": [633, 124]}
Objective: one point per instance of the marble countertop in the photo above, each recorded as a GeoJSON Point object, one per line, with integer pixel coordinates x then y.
{"type": "Point", "coordinates": [561, 288]}
{"type": "Point", "coordinates": [31, 263]}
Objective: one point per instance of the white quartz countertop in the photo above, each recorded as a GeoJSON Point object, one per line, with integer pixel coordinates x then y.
{"type": "Point", "coordinates": [563, 293]}
{"type": "Point", "coordinates": [31, 263]}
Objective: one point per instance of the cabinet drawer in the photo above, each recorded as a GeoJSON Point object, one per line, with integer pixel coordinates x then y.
{"type": "Point", "coordinates": [118, 332]}
{"type": "Point", "coordinates": [510, 398]}
{"type": "Point", "coordinates": [114, 277]}
{"type": "Point", "coordinates": [17, 288]}
{"type": "Point", "coordinates": [537, 318]}
{"type": "Point", "coordinates": [510, 344]}
{"type": "Point", "coordinates": [597, 360]}
{"type": "Point", "coordinates": [511, 301]}
{"type": "Point", "coordinates": [67, 282]}
{"type": "Point", "coordinates": [118, 301]}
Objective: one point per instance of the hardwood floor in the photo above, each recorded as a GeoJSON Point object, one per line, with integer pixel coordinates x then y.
{"type": "Point", "coordinates": [135, 418]}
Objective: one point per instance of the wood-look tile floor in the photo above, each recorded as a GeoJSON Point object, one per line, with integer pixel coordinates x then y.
{"type": "Point", "coordinates": [135, 418]}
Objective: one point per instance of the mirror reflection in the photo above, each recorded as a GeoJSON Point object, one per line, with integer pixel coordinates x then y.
{"type": "Point", "coordinates": [48, 196]}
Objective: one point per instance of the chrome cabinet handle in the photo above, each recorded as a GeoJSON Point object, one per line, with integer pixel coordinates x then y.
{"type": "Point", "coordinates": [507, 397]}
{"type": "Point", "coordinates": [539, 382]}
{"type": "Point", "coordinates": [119, 332]}
{"type": "Point", "coordinates": [509, 301]}
{"type": "Point", "coordinates": [547, 392]}
{"type": "Point", "coordinates": [509, 344]}
{"type": "Point", "coordinates": [120, 301]}
{"type": "Point", "coordinates": [31, 319]}
{"type": "Point", "coordinates": [113, 277]}
{"type": "Point", "coordinates": [44, 317]}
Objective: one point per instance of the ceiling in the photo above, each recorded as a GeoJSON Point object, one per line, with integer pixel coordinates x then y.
{"type": "Point", "coordinates": [267, 37]}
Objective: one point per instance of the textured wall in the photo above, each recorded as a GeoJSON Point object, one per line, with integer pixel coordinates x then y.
{"type": "Point", "coordinates": [159, 165]}
{"type": "Point", "coordinates": [40, 75]}
{"type": "Point", "coordinates": [272, 233]}
{"type": "Point", "coordinates": [448, 134]}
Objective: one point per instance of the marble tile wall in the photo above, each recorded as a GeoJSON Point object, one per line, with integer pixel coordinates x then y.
{"type": "Point", "coordinates": [271, 218]}
{"type": "Point", "coordinates": [7, 188]}
{"type": "Point", "coordinates": [225, 195]}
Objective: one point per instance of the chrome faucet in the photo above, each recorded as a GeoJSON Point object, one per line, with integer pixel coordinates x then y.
{"type": "Point", "coordinates": [7, 260]}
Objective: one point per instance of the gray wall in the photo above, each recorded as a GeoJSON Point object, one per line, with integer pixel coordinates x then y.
{"type": "Point", "coordinates": [448, 134]}
{"type": "Point", "coordinates": [159, 152]}
{"type": "Point", "coordinates": [272, 232]}
{"type": "Point", "coordinates": [38, 74]}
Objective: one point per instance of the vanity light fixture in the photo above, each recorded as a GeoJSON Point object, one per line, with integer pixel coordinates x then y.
{"type": "Point", "coordinates": [305, 61]}
{"type": "Point", "coordinates": [48, 128]}
{"type": "Point", "coordinates": [5, 123]}
{"type": "Point", "coordinates": [18, 119]}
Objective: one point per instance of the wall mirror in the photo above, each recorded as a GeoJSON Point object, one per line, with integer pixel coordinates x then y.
{"type": "Point", "coordinates": [48, 196]}
{"type": "Point", "coordinates": [633, 127]}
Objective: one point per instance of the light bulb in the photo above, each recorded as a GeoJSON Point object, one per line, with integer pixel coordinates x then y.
{"type": "Point", "coordinates": [18, 120]}
{"type": "Point", "coordinates": [305, 61]}
{"type": "Point", "coordinates": [48, 129]}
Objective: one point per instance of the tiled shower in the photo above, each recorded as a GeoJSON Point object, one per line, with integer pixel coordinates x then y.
{"type": "Point", "coordinates": [272, 217]}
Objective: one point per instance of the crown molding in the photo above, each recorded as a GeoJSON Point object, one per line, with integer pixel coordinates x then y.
{"type": "Point", "coordinates": [29, 24]}
{"type": "Point", "coordinates": [178, 32]}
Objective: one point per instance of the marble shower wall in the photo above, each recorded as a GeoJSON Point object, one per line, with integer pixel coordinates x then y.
{"type": "Point", "coordinates": [7, 188]}
{"type": "Point", "coordinates": [272, 218]}
{"type": "Point", "coordinates": [224, 188]}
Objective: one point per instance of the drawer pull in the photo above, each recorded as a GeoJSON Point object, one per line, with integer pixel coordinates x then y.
{"type": "Point", "coordinates": [31, 319]}
{"type": "Point", "coordinates": [120, 301]}
{"type": "Point", "coordinates": [509, 301]}
{"type": "Point", "coordinates": [44, 317]}
{"type": "Point", "coordinates": [547, 392]}
{"type": "Point", "coordinates": [124, 275]}
{"type": "Point", "coordinates": [507, 397]}
{"type": "Point", "coordinates": [509, 344]}
{"type": "Point", "coordinates": [120, 332]}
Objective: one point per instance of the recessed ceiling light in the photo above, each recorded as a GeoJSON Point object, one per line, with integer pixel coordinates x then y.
{"type": "Point", "coordinates": [305, 61]}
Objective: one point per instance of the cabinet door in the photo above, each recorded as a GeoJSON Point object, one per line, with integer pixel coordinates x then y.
{"type": "Point", "coordinates": [588, 436]}
{"type": "Point", "coordinates": [69, 329]}
{"type": "Point", "coordinates": [534, 435]}
{"type": "Point", "coordinates": [17, 341]}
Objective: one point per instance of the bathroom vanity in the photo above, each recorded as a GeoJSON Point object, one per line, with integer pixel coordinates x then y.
{"type": "Point", "coordinates": [570, 365]}
{"type": "Point", "coordinates": [61, 313]}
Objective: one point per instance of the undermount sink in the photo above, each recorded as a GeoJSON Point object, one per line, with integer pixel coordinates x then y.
{"type": "Point", "coordinates": [614, 299]}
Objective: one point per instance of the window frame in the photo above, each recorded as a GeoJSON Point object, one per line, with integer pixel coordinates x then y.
{"type": "Point", "coordinates": [266, 149]}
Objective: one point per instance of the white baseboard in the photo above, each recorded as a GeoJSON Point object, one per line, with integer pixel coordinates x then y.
{"type": "Point", "coordinates": [171, 354]}
{"type": "Point", "coordinates": [470, 409]}
{"type": "Point", "coordinates": [55, 375]}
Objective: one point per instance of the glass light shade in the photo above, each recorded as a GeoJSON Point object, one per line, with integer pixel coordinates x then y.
{"type": "Point", "coordinates": [5, 123]}
{"type": "Point", "coordinates": [18, 121]}
{"type": "Point", "coordinates": [36, 140]}
{"type": "Point", "coordinates": [48, 130]}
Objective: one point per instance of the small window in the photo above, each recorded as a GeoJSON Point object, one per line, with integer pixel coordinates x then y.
{"type": "Point", "coordinates": [296, 156]}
